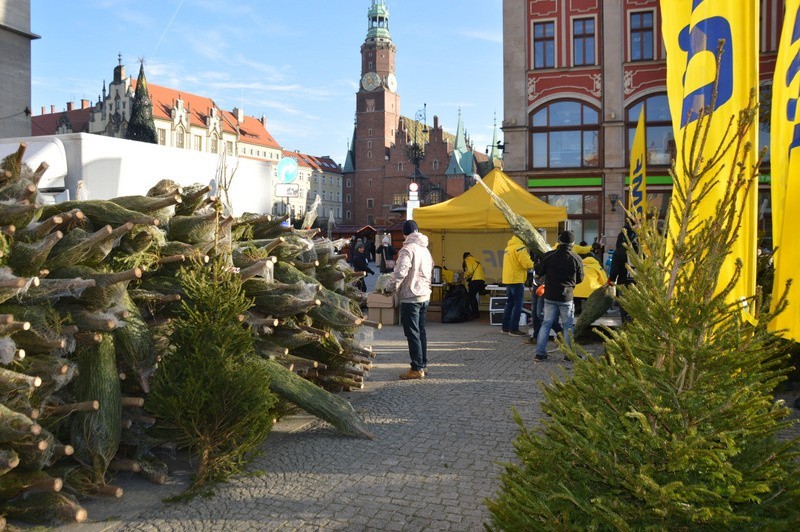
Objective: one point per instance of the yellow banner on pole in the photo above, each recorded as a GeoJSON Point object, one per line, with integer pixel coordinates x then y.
{"type": "Point", "coordinates": [637, 198]}
{"type": "Point", "coordinates": [692, 31]}
{"type": "Point", "coordinates": [785, 171]}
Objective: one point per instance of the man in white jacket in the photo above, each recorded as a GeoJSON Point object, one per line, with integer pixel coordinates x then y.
{"type": "Point", "coordinates": [412, 281]}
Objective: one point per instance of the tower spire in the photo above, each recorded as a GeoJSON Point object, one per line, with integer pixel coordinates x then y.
{"type": "Point", "coordinates": [495, 153]}
{"type": "Point", "coordinates": [378, 17]}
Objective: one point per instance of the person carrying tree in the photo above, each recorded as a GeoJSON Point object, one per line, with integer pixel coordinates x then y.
{"type": "Point", "coordinates": [562, 270]}
{"type": "Point", "coordinates": [516, 263]}
{"type": "Point", "coordinates": [621, 272]}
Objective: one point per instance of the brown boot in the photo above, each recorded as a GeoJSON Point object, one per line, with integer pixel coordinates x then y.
{"type": "Point", "coordinates": [412, 374]}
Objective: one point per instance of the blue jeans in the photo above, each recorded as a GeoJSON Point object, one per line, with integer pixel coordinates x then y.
{"type": "Point", "coordinates": [413, 316]}
{"type": "Point", "coordinates": [514, 296]}
{"type": "Point", "coordinates": [552, 311]}
{"type": "Point", "coordinates": [537, 305]}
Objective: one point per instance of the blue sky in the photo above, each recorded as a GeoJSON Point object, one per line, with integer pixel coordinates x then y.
{"type": "Point", "coordinates": [297, 62]}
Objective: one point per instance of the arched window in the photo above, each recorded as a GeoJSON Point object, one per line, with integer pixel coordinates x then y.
{"type": "Point", "coordinates": [659, 138]}
{"type": "Point", "coordinates": [179, 138]}
{"type": "Point", "coordinates": [348, 199]}
{"type": "Point", "coordinates": [435, 164]}
{"type": "Point", "coordinates": [348, 183]}
{"type": "Point", "coordinates": [564, 134]}
{"type": "Point", "coordinates": [400, 167]}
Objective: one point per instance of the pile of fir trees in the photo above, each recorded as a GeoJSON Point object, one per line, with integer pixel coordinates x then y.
{"type": "Point", "coordinates": [146, 321]}
{"type": "Point", "coordinates": [675, 426]}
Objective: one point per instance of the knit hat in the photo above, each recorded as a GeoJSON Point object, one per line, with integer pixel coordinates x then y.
{"type": "Point", "coordinates": [410, 226]}
{"type": "Point", "coordinates": [386, 240]}
{"type": "Point", "coordinates": [566, 237]}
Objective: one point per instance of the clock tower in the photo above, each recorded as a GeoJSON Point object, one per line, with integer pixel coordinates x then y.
{"type": "Point", "coordinates": [377, 118]}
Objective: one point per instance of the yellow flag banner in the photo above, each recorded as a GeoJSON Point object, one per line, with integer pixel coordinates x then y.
{"type": "Point", "coordinates": [785, 171]}
{"type": "Point", "coordinates": [692, 30]}
{"type": "Point", "coordinates": [637, 199]}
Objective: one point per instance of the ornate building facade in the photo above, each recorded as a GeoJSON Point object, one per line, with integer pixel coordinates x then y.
{"type": "Point", "coordinates": [577, 74]}
{"type": "Point", "coordinates": [389, 151]}
{"type": "Point", "coordinates": [192, 122]}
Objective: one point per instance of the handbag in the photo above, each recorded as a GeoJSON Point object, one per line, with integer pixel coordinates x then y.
{"type": "Point", "coordinates": [390, 264]}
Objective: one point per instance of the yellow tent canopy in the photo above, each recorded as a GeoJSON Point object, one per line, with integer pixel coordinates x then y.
{"type": "Point", "coordinates": [471, 222]}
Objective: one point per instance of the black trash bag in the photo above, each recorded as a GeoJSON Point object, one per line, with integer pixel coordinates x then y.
{"type": "Point", "coordinates": [455, 305]}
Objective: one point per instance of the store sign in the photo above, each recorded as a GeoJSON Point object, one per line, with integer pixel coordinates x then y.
{"type": "Point", "coordinates": [287, 190]}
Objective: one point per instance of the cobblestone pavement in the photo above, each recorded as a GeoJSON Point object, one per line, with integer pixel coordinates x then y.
{"type": "Point", "coordinates": [436, 456]}
{"type": "Point", "coordinates": [437, 453]}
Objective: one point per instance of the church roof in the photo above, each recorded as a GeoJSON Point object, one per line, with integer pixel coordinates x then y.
{"type": "Point", "coordinates": [350, 160]}
{"type": "Point", "coordinates": [462, 161]}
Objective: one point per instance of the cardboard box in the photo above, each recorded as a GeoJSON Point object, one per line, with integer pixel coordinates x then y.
{"type": "Point", "coordinates": [375, 300]}
{"type": "Point", "coordinates": [386, 316]}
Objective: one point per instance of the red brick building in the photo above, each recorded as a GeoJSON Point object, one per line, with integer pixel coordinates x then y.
{"type": "Point", "coordinates": [390, 151]}
{"type": "Point", "coordinates": [576, 75]}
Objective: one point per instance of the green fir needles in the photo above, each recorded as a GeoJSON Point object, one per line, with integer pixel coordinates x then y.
{"type": "Point", "coordinates": [211, 394]}
{"type": "Point", "coordinates": [674, 427]}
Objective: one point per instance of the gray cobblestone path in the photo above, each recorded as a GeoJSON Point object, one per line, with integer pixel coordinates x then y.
{"type": "Point", "coordinates": [435, 458]}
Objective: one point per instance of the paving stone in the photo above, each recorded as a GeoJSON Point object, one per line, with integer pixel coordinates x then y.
{"type": "Point", "coordinates": [425, 470]}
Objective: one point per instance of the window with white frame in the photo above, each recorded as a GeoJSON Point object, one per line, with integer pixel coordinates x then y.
{"type": "Point", "coordinates": [565, 134]}
{"type": "Point", "coordinates": [544, 45]}
{"type": "Point", "coordinates": [583, 41]}
{"type": "Point", "coordinates": [641, 36]}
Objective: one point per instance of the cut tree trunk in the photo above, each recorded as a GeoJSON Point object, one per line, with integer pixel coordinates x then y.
{"type": "Point", "coordinates": [45, 508]}
{"type": "Point", "coordinates": [316, 401]}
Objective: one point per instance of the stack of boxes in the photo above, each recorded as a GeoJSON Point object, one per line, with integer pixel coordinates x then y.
{"type": "Point", "coordinates": [383, 308]}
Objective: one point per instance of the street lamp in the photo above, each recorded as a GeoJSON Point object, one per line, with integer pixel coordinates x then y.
{"type": "Point", "coordinates": [500, 146]}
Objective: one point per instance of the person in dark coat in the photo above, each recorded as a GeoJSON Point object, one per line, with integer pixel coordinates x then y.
{"type": "Point", "coordinates": [562, 270]}
{"type": "Point", "coordinates": [621, 272]}
{"type": "Point", "coordinates": [369, 248]}
{"type": "Point", "coordinates": [360, 264]}
{"type": "Point", "coordinates": [384, 255]}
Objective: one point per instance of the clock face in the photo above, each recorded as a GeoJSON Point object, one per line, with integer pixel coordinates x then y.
{"type": "Point", "coordinates": [370, 81]}
{"type": "Point", "coordinates": [391, 82]}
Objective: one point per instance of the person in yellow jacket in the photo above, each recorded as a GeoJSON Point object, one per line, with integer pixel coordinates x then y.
{"type": "Point", "coordinates": [476, 281]}
{"type": "Point", "coordinates": [594, 277]}
{"type": "Point", "coordinates": [516, 263]}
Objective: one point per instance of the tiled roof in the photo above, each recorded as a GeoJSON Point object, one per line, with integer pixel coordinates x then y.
{"type": "Point", "coordinates": [251, 129]}
{"type": "Point", "coordinates": [322, 164]}
{"type": "Point", "coordinates": [164, 99]}
{"type": "Point", "coordinates": [48, 124]}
